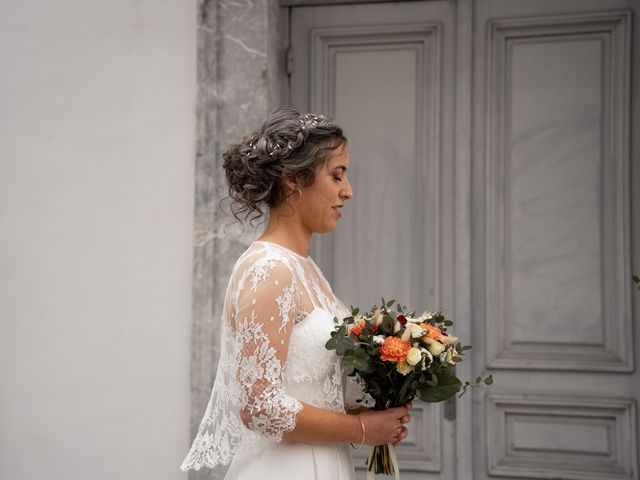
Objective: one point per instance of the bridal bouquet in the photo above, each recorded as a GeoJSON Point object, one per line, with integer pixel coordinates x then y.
{"type": "Point", "coordinates": [399, 356]}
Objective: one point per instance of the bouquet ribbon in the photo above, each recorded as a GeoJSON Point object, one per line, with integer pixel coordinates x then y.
{"type": "Point", "coordinates": [394, 461]}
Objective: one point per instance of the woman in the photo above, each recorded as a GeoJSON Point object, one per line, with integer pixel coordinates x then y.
{"type": "Point", "coordinates": [278, 404]}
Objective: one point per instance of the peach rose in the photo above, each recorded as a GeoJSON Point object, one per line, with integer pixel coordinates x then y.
{"type": "Point", "coordinates": [433, 332]}
{"type": "Point", "coordinates": [394, 349]}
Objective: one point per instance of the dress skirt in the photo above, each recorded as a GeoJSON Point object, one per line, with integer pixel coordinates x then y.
{"type": "Point", "coordinates": [294, 461]}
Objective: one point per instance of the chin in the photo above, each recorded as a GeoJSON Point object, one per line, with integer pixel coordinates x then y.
{"type": "Point", "coordinates": [326, 228]}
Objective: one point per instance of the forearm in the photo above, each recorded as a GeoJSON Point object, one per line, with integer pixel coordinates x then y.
{"type": "Point", "coordinates": [316, 425]}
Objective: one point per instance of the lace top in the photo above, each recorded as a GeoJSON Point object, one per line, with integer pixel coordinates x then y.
{"type": "Point", "coordinates": [277, 316]}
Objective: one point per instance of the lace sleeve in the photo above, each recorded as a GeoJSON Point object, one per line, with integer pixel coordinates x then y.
{"type": "Point", "coordinates": [249, 406]}
{"type": "Point", "coordinates": [264, 315]}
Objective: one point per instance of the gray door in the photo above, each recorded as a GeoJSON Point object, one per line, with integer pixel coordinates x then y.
{"type": "Point", "coordinates": [491, 160]}
{"type": "Point", "coordinates": [552, 239]}
{"type": "Point", "coordinates": [380, 70]}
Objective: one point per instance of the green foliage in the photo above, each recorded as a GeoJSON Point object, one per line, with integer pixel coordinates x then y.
{"type": "Point", "coordinates": [467, 385]}
{"type": "Point", "coordinates": [447, 386]}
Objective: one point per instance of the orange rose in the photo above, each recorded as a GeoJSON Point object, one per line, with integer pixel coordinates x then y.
{"type": "Point", "coordinates": [394, 349]}
{"type": "Point", "coordinates": [432, 332]}
{"type": "Point", "coordinates": [357, 328]}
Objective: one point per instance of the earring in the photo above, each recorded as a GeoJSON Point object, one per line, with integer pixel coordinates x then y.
{"type": "Point", "coordinates": [297, 190]}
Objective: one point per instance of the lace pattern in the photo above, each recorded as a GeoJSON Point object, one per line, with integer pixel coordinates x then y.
{"type": "Point", "coordinates": [272, 355]}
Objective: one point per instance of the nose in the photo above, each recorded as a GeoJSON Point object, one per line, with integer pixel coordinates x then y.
{"type": "Point", "coordinates": [347, 192]}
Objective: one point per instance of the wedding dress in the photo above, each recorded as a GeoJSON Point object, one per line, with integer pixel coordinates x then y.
{"type": "Point", "coordinates": [278, 314]}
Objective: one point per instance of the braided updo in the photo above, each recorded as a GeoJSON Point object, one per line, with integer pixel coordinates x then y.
{"type": "Point", "coordinates": [290, 145]}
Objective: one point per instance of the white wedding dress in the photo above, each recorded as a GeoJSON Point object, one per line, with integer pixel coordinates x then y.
{"type": "Point", "coordinates": [278, 314]}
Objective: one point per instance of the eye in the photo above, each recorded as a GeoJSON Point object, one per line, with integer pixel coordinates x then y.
{"type": "Point", "coordinates": [339, 179]}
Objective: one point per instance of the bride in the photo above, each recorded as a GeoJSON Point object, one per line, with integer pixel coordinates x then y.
{"type": "Point", "coordinates": [281, 406]}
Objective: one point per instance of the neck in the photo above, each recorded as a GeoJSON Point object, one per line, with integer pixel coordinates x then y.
{"type": "Point", "coordinates": [287, 230]}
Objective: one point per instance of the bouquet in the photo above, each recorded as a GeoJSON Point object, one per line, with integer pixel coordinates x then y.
{"type": "Point", "coordinates": [399, 356]}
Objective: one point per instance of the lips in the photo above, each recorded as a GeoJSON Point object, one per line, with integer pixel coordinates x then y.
{"type": "Point", "coordinates": [337, 208]}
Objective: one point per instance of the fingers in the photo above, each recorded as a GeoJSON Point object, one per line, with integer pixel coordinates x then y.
{"type": "Point", "coordinates": [400, 411]}
{"type": "Point", "coordinates": [402, 434]}
{"type": "Point", "coordinates": [403, 413]}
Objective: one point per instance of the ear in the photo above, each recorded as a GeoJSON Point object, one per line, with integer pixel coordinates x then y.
{"type": "Point", "coordinates": [291, 184]}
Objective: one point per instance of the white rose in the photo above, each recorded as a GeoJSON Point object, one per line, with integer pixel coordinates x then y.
{"type": "Point", "coordinates": [404, 368]}
{"type": "Point", "coordinates": [450, 355]}
{"type": "Point", "coordinates": [417, 331]}
{"type": "Point", "coordinates": [435, 347]}
{"type": "Point", "coordinates": [378, 339]}
{"type": "Point", "coordinates": [414, 356]}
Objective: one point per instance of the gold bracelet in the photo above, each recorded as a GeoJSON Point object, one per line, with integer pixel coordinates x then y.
{"type": "Point", "coordinates": [363, 435]}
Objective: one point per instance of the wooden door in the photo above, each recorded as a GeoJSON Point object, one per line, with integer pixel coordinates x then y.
{"type": "Point", "coordinates": [382, 72]}
{"type": "Point", "coordinates": [492, 163]}
{"type": "Point", "coordinates": [552, 239]}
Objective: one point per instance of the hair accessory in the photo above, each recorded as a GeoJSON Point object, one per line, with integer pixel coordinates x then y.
{"type": "Point", "coordinates": [363, 435]}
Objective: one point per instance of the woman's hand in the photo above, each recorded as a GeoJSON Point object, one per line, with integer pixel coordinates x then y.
{"type": "Point", "coordinates": [386, 426]}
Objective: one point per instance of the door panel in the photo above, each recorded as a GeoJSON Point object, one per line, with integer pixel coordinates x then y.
{"type": "Point", "coordinates": [379, 70]}
{"type": "Point", "coordinates": [551, 243]}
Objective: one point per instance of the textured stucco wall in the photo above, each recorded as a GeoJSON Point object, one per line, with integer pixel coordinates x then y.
{"type": "Point", "coordinates": [97, 147]}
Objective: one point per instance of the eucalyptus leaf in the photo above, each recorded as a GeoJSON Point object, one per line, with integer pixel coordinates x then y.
{"type": "Point", "coordinates": [447, 386]}
{"type": "Point", "coordinates": [331, 343]}
{"type": "Point", "coordinates": [360, 364]}
{"type": "Point", "coordinates": [361, 353]}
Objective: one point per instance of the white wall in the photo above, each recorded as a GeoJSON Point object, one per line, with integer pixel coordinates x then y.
{"type": "Point", "coordinates": [97, 132]}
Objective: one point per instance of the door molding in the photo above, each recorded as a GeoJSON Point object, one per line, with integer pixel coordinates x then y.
{"type": "Point", "coordinates": [615, 351]}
